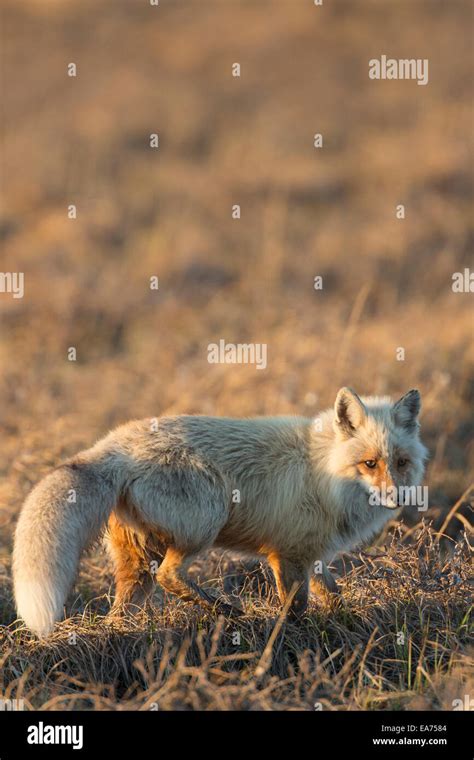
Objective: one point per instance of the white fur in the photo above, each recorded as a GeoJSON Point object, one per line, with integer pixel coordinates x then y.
{"type": "Point", "coordinates": [301, 495]}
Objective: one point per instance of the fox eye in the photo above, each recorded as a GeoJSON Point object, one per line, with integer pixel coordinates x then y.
{"type": "Point", "coordinates": [370, 463]}
{"type": "Point", "coordinates": [402, 462]}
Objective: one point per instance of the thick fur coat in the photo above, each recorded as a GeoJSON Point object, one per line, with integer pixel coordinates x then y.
{"type": "Point", "coordinates": [292, 489]}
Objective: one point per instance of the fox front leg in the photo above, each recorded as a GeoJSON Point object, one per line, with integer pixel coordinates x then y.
{"type": "Point", "coordinates": [173, 577]}
{"type": "Point", "coordinates": [292, 579]}
{"type": "Point", "coordinates": [323, 581]}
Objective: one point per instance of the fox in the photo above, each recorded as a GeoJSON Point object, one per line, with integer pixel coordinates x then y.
{"type": "Point", "coordinates": [292, 490]}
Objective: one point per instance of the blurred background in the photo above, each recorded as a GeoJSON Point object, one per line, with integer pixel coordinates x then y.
{"type": "Point", "coordinates": [167, 213]}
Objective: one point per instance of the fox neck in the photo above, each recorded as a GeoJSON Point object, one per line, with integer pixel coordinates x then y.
{"type": "Point", "coordinates": [358, 520]}
{"type": "Point", "coordinates": [355, 520]}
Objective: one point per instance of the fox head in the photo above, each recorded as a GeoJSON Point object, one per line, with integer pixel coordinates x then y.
{"type": "Point", "coordinates": [378, 444]}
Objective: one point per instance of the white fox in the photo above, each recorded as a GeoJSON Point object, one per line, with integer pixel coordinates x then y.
{"type": "Point", "coordinates": [291, 489]}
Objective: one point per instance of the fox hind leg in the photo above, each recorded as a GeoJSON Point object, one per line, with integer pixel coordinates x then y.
{"type": "Point", "coordinates": [136, 557]}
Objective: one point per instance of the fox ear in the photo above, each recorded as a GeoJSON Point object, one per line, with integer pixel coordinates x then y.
{"type": "Point", "coordinates": [349, 412]}
{"type": "Point", "coordinates": [407, 409]}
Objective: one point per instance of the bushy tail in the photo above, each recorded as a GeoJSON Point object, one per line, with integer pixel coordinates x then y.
{"type": "Point", "coordinates": [60, 517]}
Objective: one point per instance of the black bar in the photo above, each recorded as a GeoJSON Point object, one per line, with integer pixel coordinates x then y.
{"type": "Point", "coordinates": [445, 734]}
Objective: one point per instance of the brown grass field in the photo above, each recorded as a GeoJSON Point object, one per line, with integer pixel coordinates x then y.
{"type": "Point", "coordinates": [140, 352]}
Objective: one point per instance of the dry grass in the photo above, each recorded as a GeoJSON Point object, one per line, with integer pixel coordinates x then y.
{"type": "Point", "coordinates": [387, 283]}
{"type": "Point", "coordinates": [397, 639]}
